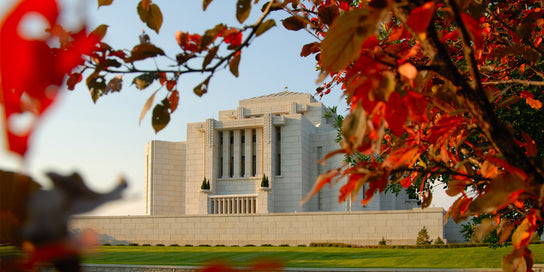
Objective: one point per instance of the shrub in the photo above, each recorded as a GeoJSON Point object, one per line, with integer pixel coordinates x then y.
{"type": "Point", "coordinates": [301, 245]}
{"type": "Point", "coordinates": [219, 245]}
{"type": "Point", "coordinates": [205, 184]}
{"type": "Point", "coordinates": [284, 245]}
{"type": "Point", "coordinates": [423, 237]}
{"type": "Point", "coordinates": [174, 245]}
{"type": "Point", "coordinates": [266, 245]}
{"type": "Point", "coordinates": [106, 244]}
{"type": "Point", "coordinates": [203, 245]}
{"type": "Point", "coordinates": [133, 244]}
{"type": "Point", "coordinates": [249, 245]}
{"type": "Point", "coordinates": [382, 242]}
{"type": "Point", "coordinates": [264, 182]}
{"type": "Point", "coordinates": [234, 245]}
{"type": "Point", "coordinates": [145, 244]}
{"type": "Point", "coordinates": [438, 241]}
{"type": "Point", "coordinates": [188, 245]}
{"type": "Point", "coordinates": [159, 245]}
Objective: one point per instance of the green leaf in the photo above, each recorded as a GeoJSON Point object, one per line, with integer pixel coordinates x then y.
{"type": "Point", "coordinates": [234, 63]}
{"type": "Point", "coordinates": [265, 26]}
{"type": "Point", "coordinates": [161, 117]}
{"type": "Point", "coordinates": [150, 14]}
{"type": "Point", "coordinates": [342, 44]}
{"type": "Point", "coordinates": [147, 106]}
{"type": "Point", "coordinates": [202, 88]}
{"type": "Point", "coordinates": [205, 4]}
{"type": "Point", "coordinates": [100, 31]}
{"type": "Point", "coordinates": [144, 80]}
{"type": "Point", "coordinates": [104, 2]}
{"type": "Point", "coordinates": [243, 7]}
{"type": "Point", "coordinates": [209, 57]}
{"type": "Point", "coordinates": [143, 51]}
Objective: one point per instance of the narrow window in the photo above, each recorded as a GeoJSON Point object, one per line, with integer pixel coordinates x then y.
{"type": "Point", "coordinates": [242, 154]}
{"type": "Point", "coordinates": [278, 151]}
{"type": "Point", "coordinates": [319, 154]}
{"type": "Point", "coordinates": [220, 151]}
{"type": "Point", "coordinates": [254, 152]}
{"type": "Point", "coordinates": [231, 154]}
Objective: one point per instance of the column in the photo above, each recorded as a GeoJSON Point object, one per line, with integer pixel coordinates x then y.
{"type": "Point", "coordinates": [248, 154]}
{"type": "Point", "coordinates": [226, 155]}
{"type": "Point", "coordinates": [237, 152]}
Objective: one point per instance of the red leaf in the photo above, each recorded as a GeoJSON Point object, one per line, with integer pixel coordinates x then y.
{"type": "Point", "coordinates": [406, 182]}
{"type": "Point", "coordinates": [173, 99]}
{"type": "Point", "coordinates": [31, 67]}
{"type": "Point", "coordinates": [420, 17]}
{"type": "Point", "coordinates": [171, 84]}
{"type": "Point", "coordinates": [474, 29]}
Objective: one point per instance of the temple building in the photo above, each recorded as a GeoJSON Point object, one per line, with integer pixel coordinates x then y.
{"type": "Point", "coordinates": [280, 136]}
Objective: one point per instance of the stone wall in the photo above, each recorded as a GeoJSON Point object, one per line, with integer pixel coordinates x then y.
{"type": "Point", "coordinates": [165, 176]}
{"type": "Point", "coordinates": [362, 228]}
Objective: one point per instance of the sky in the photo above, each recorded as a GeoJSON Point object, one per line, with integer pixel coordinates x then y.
{"type": "Point", "coordinates": [104, 140]}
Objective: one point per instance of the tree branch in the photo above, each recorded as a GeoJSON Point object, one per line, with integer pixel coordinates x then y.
{"type": "Point", "coordinates": [515, 81]}
{"type": "Point", "coordinates": [481, 108]}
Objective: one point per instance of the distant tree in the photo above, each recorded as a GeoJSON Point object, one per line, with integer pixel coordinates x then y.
{"type": "Point", "coordinates": [264, 182]}
{"type": "Point", "coordinates": [205, 184]}
{"type": "Point", "coordinates": [438, 241]}
{"type": "Point", "coordinates": [423, 237]}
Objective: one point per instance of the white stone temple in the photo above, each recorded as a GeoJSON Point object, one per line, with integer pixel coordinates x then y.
{"type": "Point", "coordinates": [281, 135]}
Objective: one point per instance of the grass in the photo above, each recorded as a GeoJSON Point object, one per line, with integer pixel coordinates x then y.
{"type": "Point", "coordinates": [474, 257]}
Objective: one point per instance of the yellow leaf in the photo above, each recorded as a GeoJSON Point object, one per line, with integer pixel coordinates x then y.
{"type": "Point", "coordinates": [147, 106]}
{"type": "Point", "coordinates": [342, 44]}
{"type": "Point", "coordinates": [150, 14]}
{"type": "Point", "coordinates": [354, 129]}
{"type": "Point", "coordinates": [265, 26]}
{"type": "Point", "coordinates": [209, 57]}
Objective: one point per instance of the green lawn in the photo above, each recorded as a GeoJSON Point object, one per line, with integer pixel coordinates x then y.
{"type": "Point", "coordinates": [473, 257]}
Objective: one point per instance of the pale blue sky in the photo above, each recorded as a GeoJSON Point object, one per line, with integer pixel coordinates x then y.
{"type": "Point", "coordinates": [103, 140]}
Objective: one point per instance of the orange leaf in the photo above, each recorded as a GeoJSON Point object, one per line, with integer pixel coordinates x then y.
{"type": "Point", "coordinates": [458, 210]}
{"type": "Point", "coordinates": [500, 192]}
{"type": "Point", "coordinates": [456, 187]}
{"type": "Point", "coordinates": [320, 182]}
{"type": "Point", "coordinates": [408, 70]}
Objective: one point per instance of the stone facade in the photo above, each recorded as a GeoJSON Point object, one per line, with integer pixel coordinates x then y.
{"type": "Point", "coordinates": [281, 135]}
